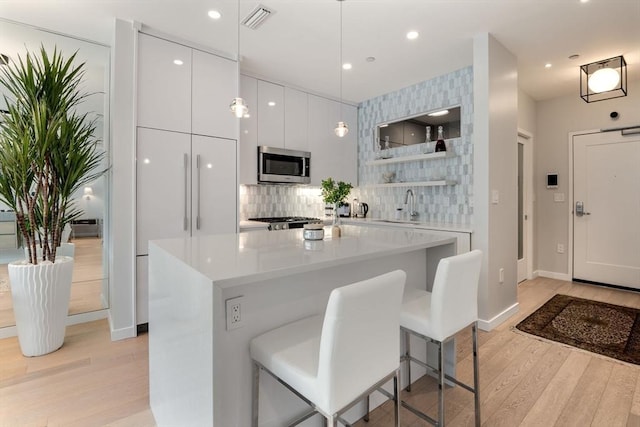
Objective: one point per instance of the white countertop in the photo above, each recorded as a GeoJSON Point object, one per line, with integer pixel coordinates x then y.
{"type": "Point", "coordinates": [426, 225]}
{"type": "Point", "coordinates": [235, 259]}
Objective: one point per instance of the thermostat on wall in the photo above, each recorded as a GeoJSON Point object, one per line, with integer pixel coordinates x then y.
{"type": "Point", "coordinates": [552, 180]}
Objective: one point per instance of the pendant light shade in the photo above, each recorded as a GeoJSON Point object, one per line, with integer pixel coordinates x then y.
{"type": "Point", "coordinates": [238, 107]}
{"type": "Point", "coordinates": [342, 129]}
{"type": "Point", "coordinates": [602, 80]}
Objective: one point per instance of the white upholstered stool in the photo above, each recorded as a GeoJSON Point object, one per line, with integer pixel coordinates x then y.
{"type": "Point", "coordinates": [334, 361]}
{"type": "Point", "coordinates": [437, 316]}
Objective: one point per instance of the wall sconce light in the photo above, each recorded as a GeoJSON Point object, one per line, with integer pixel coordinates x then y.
{"type": "Point", "coordinates": [602, 80]}
{"type": "Point", "coordinates": [88, 192]}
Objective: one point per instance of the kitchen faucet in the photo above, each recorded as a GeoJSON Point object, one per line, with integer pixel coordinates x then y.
{"type": "Point", "coordinates": [408, 200]}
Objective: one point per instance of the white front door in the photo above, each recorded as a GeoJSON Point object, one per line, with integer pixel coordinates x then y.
{"type": "Point", "coordinates": [606, 208]}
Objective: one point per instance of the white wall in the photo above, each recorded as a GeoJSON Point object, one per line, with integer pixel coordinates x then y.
{"type": "Point", "coordinates": [495, 169]}
{"type": "Point", "coordinates": [527, 123]}
{"type": "Point", "coordinates": [556, 118]}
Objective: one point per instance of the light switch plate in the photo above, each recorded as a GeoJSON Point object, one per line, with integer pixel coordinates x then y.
{"type": "Point", "coordinates": [495, 197]}
{"type": "Point", "coordinates": [558, 197]}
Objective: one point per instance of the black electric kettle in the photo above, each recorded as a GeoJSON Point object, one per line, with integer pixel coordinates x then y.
{"type": "Point", "coordinates": [363, 208]}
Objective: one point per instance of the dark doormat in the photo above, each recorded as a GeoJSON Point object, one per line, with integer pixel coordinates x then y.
{"type": "Point", "coordinates": [607, 329]}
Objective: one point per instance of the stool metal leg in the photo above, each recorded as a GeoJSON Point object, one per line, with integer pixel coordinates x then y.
{"type": "Point", "coordinates": [441, 384]}
{"type": "Point", "coordinates": [407, 346]}
{"type": "Point", "coordinates": [476, 372]}
{"type": "Point", "coordinates": [255, 394]}
{"type": "Point", "coordinates": [366, 415]}
{"type": "Point", "coordinates": [396, 395]}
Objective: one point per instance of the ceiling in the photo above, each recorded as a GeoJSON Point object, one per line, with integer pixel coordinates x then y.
{"type": "Point", "coordinates": [299, 43]}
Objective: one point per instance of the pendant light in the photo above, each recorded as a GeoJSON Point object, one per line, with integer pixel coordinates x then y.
{"type": "Point", "coordinates": [604, 79]}
{"type": "Point", "coordinates": [341, 129]}
{"type": "Point", "coordinates": [238, 107]}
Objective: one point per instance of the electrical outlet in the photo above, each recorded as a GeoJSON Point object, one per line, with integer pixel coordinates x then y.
{"type": "Point", "coordinates": [560, 248]}
{"type": "Point", "coordinates": [234, 312]}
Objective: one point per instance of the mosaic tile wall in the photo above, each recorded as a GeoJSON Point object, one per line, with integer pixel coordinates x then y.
{"type": "Point", "coordinates": [449, 204]}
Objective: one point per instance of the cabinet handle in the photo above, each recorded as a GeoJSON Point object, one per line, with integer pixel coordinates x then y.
{"type": "Point", "coordinates": [186, 180]}
{"type": "Point", "coordinates": [198, 199]}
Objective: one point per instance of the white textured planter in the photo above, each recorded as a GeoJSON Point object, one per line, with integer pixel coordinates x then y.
{"type": "Point", "coordinates": [40, 296]}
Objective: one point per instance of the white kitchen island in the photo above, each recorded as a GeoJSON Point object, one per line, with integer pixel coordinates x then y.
{"type": "Point", "coordinates": [200, 372]}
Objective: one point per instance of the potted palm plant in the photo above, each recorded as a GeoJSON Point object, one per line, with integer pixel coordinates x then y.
{"type": "Point", "coordinates": [47, 152]}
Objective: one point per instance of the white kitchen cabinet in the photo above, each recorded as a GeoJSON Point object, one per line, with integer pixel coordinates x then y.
{"type": "Point", "coordinates": [164, 87]}
{"type": "Point", "coordinates": [214, 187]}
{"type": "Point", "coordinates": [175, 197]}
{"type": "Point", "coordinates": [270, 114]}
{"type": "Point", "coordinates": [332, 156]}
{"type": "Point", "coordinates": [214, 85]}
{"type": "Point", "coordinates": [248, 148]}
{"type": "Point", "coordinates": [186, 186]}
{"type": "Point", "coordinates": [296, 119]}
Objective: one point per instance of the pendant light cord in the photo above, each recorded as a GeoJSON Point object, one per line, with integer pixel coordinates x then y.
{"type": "Point", "coordinates": [340, 65]}
{"type": "Point", "coordinates": [238, 50]}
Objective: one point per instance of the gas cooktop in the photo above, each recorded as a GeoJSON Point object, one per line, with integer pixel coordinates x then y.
{"type": "Point", "coordinates": [286, 222]}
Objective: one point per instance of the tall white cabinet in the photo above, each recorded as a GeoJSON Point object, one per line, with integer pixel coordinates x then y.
{"type": "Point", "coordinates": [186, 149]}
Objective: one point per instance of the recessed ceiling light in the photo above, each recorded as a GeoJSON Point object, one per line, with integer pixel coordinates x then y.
{"type": "Point", "coordinates": [574, 56]}
{"type": "Point", "coordinates": [547, 65]}
{"type": "Point", "coordinates": [271, 104]}
{"type": "Point", "coordinates": [584, 1]}
{"type": "Point", "coordinates": [178, 61]}
{"type": "Point", "coordinates": [214, 14]}
{"type": "Point", "coordinates": [346, 66]}
{"type": "Point", "coordinates": [438, 113]}
{"type": "Point", "coordinates": [370, 58]}
{"type": "Point", "coordinates": [412, 35]}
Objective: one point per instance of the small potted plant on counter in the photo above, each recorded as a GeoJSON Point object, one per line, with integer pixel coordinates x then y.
{"type": "Point", "coordinates": [335, 193]}
{"type": "Point", "coordinates": [47, 153]}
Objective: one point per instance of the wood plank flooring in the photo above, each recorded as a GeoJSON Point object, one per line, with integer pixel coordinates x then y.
{"type": "Point", "coordinates": [529, 382]}
{"type": "Point", "coordinates": [524, 381]}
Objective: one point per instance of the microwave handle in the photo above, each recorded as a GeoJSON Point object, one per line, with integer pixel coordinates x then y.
{"type": "Point", "coordinates": [304, 167]}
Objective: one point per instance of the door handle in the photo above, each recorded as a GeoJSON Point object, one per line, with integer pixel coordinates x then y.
{"type": "Point", "coordinates": [198, 194]}
{"type": "Point", "coordinates": [185, 221]}
{"type": "Point", "coordinates": [580, 209]}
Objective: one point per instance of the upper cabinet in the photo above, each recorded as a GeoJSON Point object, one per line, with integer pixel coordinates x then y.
{"type": "Point", "coordinates": [296, 120]}
{"type": "Point", "coordinates": [214, 85]}
{"type": "Point", "coordinates": [185, 90]}
{"type": "Point", "coordinates": [162, 105]}
{"type": "Point", "coordinates": [270, 114]}
{"type": "Point", "coordinates": [332, 156]}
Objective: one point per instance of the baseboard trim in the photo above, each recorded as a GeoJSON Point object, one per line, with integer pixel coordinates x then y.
{"type": "Point", "coordinates": [488, 325]}
{"type": "Point", "coordinates": [122, 333]}
{"type": "Point", "coordinates": [8, 332]}
{"type": "Point", "coordinates": [553, 275]}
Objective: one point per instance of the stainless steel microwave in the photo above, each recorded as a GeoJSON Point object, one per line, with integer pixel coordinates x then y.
{"type": "Point", "coordinates": [282, 166]}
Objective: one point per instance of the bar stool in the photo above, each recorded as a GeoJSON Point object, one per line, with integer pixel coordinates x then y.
{"type": "Point", "coordinates": [437, 316]}
{"type": "Point", "coordinates": [334, 361]}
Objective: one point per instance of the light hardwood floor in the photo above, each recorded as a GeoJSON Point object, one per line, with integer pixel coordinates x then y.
{"type": "Point", "coordinates": [524, 381]}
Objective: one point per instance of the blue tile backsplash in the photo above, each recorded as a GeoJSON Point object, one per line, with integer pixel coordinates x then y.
{"type": "Point", "coordinates": [450, 203]}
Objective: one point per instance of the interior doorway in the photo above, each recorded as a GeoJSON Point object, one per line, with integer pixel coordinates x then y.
{"type": "Point", "coordinates": [525, 206]}
{"type": "Point", "coordinates": [606, 208]}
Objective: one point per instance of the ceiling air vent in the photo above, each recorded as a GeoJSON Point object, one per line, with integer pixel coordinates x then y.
{"type": "Point", "coordinates": [257, 17]}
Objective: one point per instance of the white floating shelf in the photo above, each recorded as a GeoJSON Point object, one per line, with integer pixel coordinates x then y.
{"type": "Point", "coordinates": [403, 159]}
{"type": "Point", "coordinates": [438, 183]}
